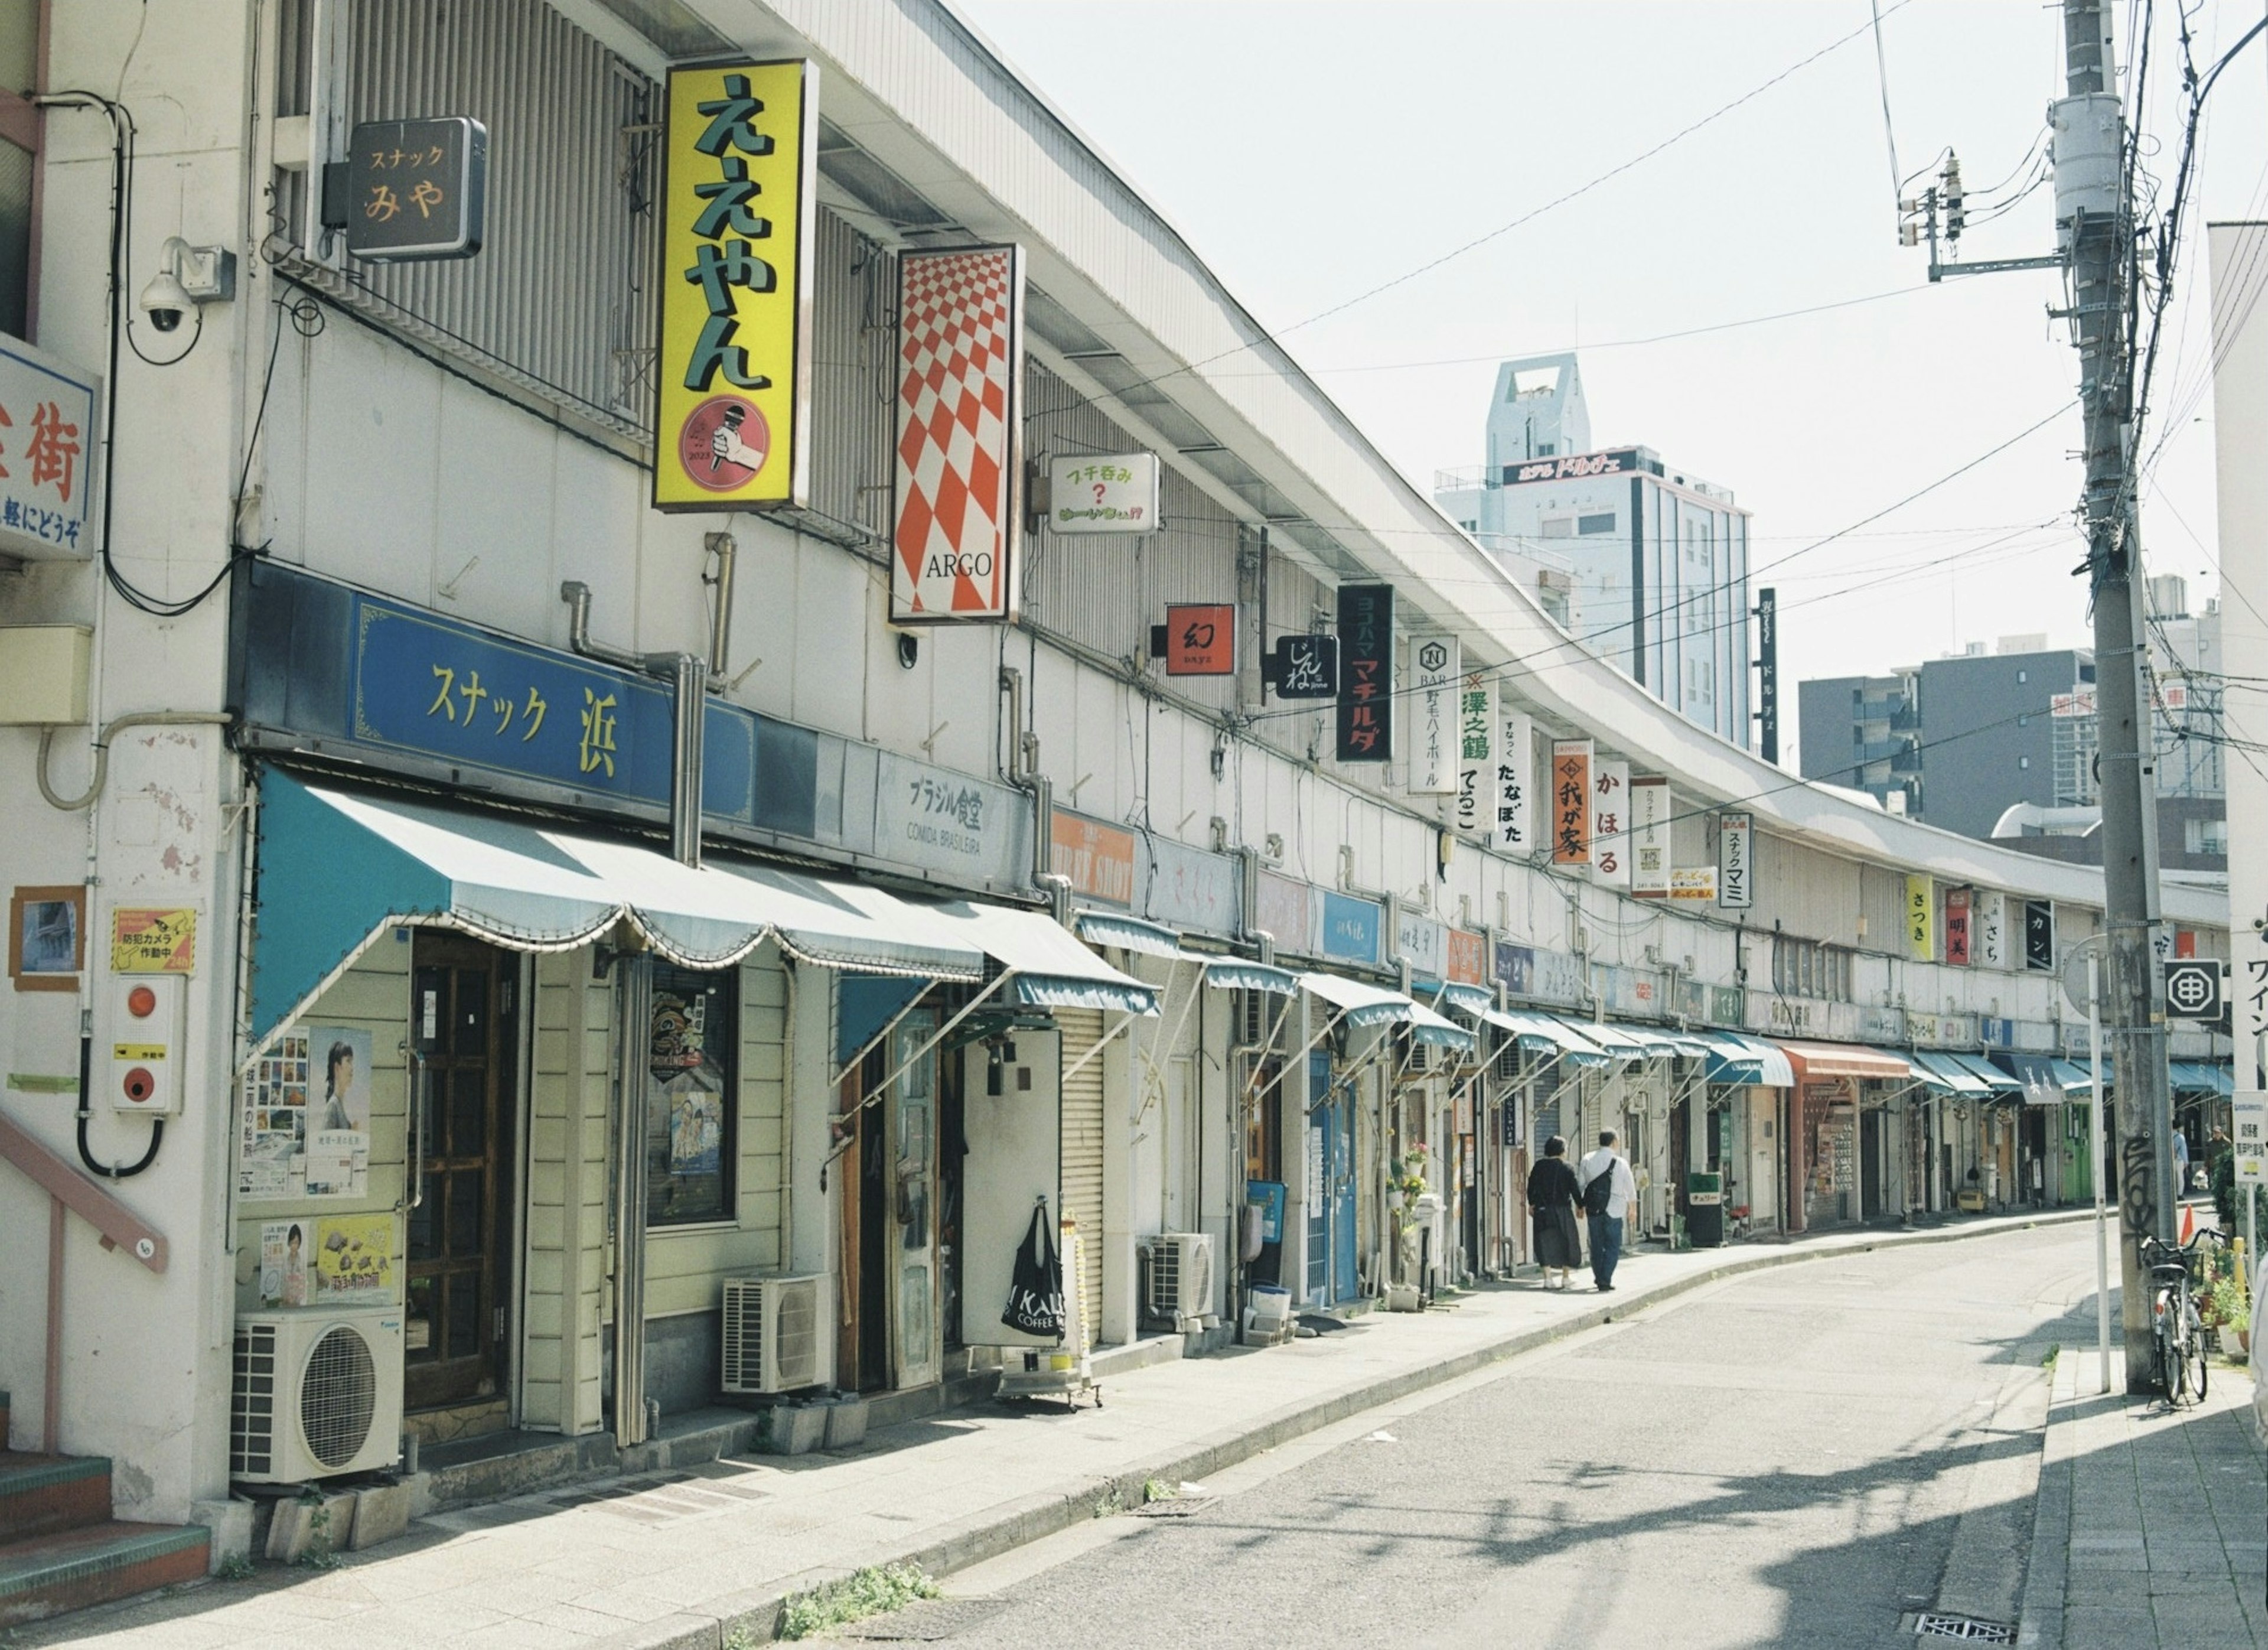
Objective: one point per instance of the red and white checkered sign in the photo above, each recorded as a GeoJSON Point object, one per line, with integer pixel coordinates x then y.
{"type": "Point", "coordinates": [960, 348]}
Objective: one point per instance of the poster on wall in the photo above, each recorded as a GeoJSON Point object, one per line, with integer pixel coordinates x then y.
{"type": "Point", "coordinates": [1610, 823]}
{"type": "Point", "coordinates": [959, 440]}
{"type": "Point", "coordinates": [287, 1255]}
{"type": "Point", "coordinates": [1476, 731]}
{"type": "Point", "coordinates": [338, 1111]}
{"type": "Point", "coordinates": [1649, 838]}
{"type": "Point", "coordinates": [272, 1153]}
{"type": "Point", "coordinates": [1515, 784]}
{"type": "Point", "coordinates": [1570, 802]}
{"type": "Point", "coordinates": [1432, 700]}
{"type": "Point", "coordinates": [678, 1054]}
{"type": "Point", "coordinates": [733, 227]}
{"type": "Point", "coordinates": [353, 1258]}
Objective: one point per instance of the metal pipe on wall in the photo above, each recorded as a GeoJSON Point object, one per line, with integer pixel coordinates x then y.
{"type": "Point", "coordinates": [637, 1010]}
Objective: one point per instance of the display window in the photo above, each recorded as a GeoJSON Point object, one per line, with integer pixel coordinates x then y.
{"type": "Point", "coordinates": [692, 1075]}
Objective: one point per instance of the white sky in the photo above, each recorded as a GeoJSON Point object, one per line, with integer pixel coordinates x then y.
{"type": "Point", "coordinates": [1311, 152]}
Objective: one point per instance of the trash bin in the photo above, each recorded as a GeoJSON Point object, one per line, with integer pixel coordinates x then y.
{"type": "Point", "coordinates": [1704, 1209]}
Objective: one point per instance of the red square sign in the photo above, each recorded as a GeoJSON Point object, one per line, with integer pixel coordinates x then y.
{"type": "Point", "coordinates": [1201, 641]}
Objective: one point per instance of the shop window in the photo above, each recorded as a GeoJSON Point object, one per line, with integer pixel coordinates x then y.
{"type": "Point", "coordinates": [1804, 967]}
{"type": "Point", "coordinates": [1586, 526]}
{"type": "Point", "coordinates": [693, 1077]}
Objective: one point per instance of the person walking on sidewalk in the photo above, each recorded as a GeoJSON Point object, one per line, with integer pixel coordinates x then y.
{"type": "Point", "coordinates": [1608, 1187]}
{"type": "Point", "coordinates": [1552, 1196]}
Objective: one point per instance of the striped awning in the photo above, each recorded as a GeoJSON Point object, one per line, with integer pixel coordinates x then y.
{"type": "Point", "coordinates": [1819, 1062]}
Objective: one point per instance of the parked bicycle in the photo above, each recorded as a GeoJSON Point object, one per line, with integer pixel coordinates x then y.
{"type": "Point", "coordinates": [2176, 1331]}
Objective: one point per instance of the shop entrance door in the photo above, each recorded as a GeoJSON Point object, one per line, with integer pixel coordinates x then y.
{"type": "Point", "coordinates": [1339, 1168]}
{"type": "Point", "coordinates": [456, 1321]}
{"type": "Point", "coordinates": [913, 1227]}
{"type": "Point", "coordinates": [1315, 1193]}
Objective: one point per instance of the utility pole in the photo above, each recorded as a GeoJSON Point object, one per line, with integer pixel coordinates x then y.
{"type": "Point", "coordinates": [2094, 223]}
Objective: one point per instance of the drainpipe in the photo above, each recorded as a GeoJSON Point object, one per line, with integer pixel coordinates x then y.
{"type": "Point", "coordinates": [690, 677]}
{"type": "Point", "coordinates": [1022, 772]}
{"type": "Point", "coordinates": [725, 549]}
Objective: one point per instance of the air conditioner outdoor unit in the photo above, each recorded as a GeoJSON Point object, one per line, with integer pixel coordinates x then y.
{"type": "Point", "coordinates": [776, 1335]}
{"type": "Point", "coordinates": [316, 1393]}
{"type": "Point", "coordinates": [1181, 1276]}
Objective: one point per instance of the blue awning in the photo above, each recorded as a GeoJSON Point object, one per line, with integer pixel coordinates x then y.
{"type": "Point", "coordinates": [1050, 968]}
{"type": "Point", "coordinates": [1748, 1061]}
{"type": "Point", "coordinates": [338, 869]}
{"type": "Point", "coordinates": [1359, 1005]}
{"type": "Point", "coordinates": [1986, 1072]}
{"type": "Point", "coordinates": [1426, 1025]}
{"type": "Point", "coordinates": [1622, 1042]}
{"type": "Point", "coordinates": [1943, 1072]}
{"type": "Point", "coordinates": [1469, 999]}
{"type": "Point", "coordinates": [1129, 934]}
{"type": "Point", "coordinates": [1056, 991]}
{"type": "Point", "coordinates": [2045, 1079]}
{"type": "Point", "coordinates": [1234, 974]}
{"type": "Point", "coordinates": [2203, 1076]}
{"type": "Point", "coordinates": [1540, 1033]}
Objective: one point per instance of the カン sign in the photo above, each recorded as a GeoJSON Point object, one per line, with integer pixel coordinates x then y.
{"type": "Point", "coordinates": [732, 378]}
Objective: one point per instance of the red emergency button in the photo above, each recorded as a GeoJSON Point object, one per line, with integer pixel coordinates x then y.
{"type": "Point", "coordinates": [141, 1002]}
{"type": "Point", "coordinates": [140, 1085]}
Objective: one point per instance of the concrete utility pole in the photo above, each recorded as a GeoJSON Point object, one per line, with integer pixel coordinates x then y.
{"type": "Point", "coordinates": [2095, 222]}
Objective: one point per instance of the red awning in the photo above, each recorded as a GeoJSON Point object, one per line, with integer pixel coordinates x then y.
{"type": "Point", "coordinates": [1819, 1062]}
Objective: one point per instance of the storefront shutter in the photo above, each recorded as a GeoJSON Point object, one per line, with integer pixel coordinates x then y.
{"type": "Point", "coordinates": [1082, 1154]}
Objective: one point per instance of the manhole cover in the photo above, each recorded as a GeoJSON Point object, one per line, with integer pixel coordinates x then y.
{"type": "Point", "coordinates": [1966, 1628]}
{"type": "Point", "coordinates": [926, 1621]}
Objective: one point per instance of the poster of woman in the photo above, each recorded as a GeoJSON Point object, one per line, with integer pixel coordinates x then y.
{"type": "Point", "coordinates": [341, 1081]}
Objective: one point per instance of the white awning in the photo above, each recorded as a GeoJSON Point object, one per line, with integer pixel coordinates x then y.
{"type": "Point", "coordinates": [1128, 933]}
{"type": "Point", "coordinates": [1426, 1025]}
{"type": "Point", "coordinates": [1359, 1004]}
{"type": "Point", "coordinates": [1049, 966]}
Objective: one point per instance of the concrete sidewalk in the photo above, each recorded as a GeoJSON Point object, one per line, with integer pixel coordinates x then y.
{"type": "Point", "coordinates": [687, 1558]}
{"type": "Point", "coordinates": [2151, 1527]}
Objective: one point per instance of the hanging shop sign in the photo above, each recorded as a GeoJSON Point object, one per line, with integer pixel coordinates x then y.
{"type": "Point", "coordinates": [1959, 927]}
{"type": "Point", "coordinates": [1921, 936]}
{"type": "Point", "coordinates": [1432, 709]}
{"type": "Point", "coordinates": [1570, 802]}
{"type": "Point", "coordinates": [1649, 836]}
{"type": "Point", "coordinates": [1610, 832]}
{"type": "Point", "coordinates": [1768, 673]}
{"type": "Point", "coordinates": [1724, 1004]}
{"type": "Point", "coordinates": [2039, 936]}
{"type": "Point", "coordinates": [1467, 956]}
{"type": "Point", "coordinates": [1115, 492]}
{"type": "Point", "coordinates": [1477, 732]}
{"type": "Point", "coordinates": [1196, 639]}
{"type": "Point", "coordinates": [417, 190]}
{"type": "Point", "coordinates": [1098, 858]}
{"type": "Point", "coordinates": [733, 375]}
{"type": "Point", "coordinates": [48, 444]}
{"type": "Point", "coordinates": [1365, 725]}
{"type": "Point", "coordinates": [1735, 841]}
{"type": "Point", "coordinates": [1988, 928]}
{"type": "Point", "coordinates": [961, 355]}
{"type": "Point", "coordinates": [2248, 1135]}
{"type": "Point", "coordinates": [1694, 884]}
{"type": "Point", "coordinates": [1284, 910]}
{"type": "Point", "coordinates": [1516, 816]}
{"type": "Point", "coordinates": [971, 830]}
{"type": "Point", "coordinates": [1302, 666]}
{"type": "Point", "coordinates": [1424, 943]}
{"type": "Point", "coordinates": [1348, 928]}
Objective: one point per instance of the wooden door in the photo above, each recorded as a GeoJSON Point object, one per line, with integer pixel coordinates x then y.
{"type": "Point", "coordinates": [458, 1269]}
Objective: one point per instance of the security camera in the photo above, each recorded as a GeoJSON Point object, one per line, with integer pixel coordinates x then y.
{"type": "Point", "coordinates": [166, 300]}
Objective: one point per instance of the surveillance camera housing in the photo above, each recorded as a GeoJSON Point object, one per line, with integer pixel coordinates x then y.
{"type": "Point", "coordinates": [165, 300]}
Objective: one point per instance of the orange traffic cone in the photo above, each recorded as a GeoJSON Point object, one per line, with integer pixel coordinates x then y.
{"type": "Point", "coordinates": [2189, 1223]}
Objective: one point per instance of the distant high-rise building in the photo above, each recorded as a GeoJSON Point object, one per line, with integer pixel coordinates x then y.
{"type": "Point", "coordinates": [1647, 566]}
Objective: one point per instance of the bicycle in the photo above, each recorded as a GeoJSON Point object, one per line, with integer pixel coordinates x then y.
{"type": "Point", "coordinates": [2176, 1331]}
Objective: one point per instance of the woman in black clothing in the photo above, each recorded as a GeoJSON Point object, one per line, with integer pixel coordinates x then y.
{"type": "Point", "coordinates": [1551, 1195]}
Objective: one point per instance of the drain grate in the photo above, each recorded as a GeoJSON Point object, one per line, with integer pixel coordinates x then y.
{"type": "Point", "coordinates": [1968, 1629]}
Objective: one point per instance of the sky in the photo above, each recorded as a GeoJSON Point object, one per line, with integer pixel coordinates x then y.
{"type": "Point", "coordinates": [1314, 151]}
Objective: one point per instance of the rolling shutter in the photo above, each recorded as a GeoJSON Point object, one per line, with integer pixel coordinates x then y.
{"type": "Point", "coordinates": [1081, 1163]}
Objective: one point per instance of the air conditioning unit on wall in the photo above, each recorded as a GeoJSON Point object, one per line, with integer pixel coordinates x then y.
{"type": "Point", "coordinates": [777, 1335]}
{"type": "Point", "coordinates": [316, 1393]}
{"type": "Point", "coordinates": [1180, 1277]}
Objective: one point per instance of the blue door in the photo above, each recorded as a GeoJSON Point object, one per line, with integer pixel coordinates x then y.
{"type": "Point", "coordinates": [1317, 1191]}
{"type": "Point", "coordinates": [1340, 1150]}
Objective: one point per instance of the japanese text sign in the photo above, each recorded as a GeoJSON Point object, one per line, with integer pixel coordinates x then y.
{"type": "Point", "coordinates": [733, 367]}
{"type": "Point", "coordinates": [48, 441]}
{"type": "Point", "coordinates": [1098, 858]}
{"type": "Point", "coordinates": [153, 941]}
{"type": "Point", "coordinates": [1570, 802]}
{"type": "Point", "coordinates": [2248, 1125]}
{"type": "Point", "coordinates": [416, 190]}
{"type": "Point", "coordinates": [1432, 700]}
{"type": "Point", "coordinates": [1737, 888]}
{"type": "Point", "coordinates": [1200, 640]}
{"type": "Point", "coordinates": [1476, 731]}
{"type": "Point", "coordinates": [1103, 493]}
{"type": "Point", "coordinates": [960, 441]}
{"type": "Point", "coordinates": [2039, 935]}
{"type": "Point", "coordinates": [1959, 907]}
{"type": "Point", "coordinates": [1366, 727]}
{"type": "Point", "coordinates": [1467, 956]}
{"type": "Point", "coordinates": [1350, 927]}
{"type": "Point", "coordinates": [1611, 822]}
{"type": "Point", "coordinates": [1515, 824]}
{"type": "Point", "coordinates": [1921, 928]}
{"type": "Point", "coordinates": [1696, 883]}
{"type": "Point", "coordinates": [1649, 837]}
{"type": "Point", "coordinates": [1302, 666]}
{"type": "Point", "coordinates": [1988, 929]}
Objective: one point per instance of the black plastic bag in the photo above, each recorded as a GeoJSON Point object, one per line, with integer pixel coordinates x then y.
{"type": "Point", "coordinates": [1035, 1298]}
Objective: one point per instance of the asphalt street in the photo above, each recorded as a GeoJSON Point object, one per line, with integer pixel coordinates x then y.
{"type": "Point", "coordinates": [1800, 1457]}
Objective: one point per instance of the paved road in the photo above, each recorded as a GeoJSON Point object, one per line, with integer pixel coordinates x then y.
{"type": "Point", "coordinates": [1799, 1457]}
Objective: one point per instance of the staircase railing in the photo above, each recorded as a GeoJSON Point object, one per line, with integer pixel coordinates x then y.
{"type": "Point", "coordinates": [118, 1226]}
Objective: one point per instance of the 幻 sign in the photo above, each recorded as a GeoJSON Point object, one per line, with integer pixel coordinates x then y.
{"type": "Point", "coordinates": [1197, 639]}
{"type": "Point", "coordinates": [732, 368]}
{"type": "Point", "coordinates": [416, 190]}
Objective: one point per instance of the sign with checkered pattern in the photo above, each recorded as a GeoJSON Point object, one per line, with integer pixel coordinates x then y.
{"type": "Point", "coordinates": [960, 361]}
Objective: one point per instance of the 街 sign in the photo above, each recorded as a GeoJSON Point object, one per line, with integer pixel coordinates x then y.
{"type": "Point", "coordinates": [960, 360]}
{"type": "Point", "coordinates": [733, 367]}
{"type": "Point", "coordinates": [1366, 727]}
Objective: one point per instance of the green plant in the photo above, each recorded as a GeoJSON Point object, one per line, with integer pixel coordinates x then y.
{"type": "Point", "coordinates": [236, 1567]}
{"type": "Point", "coordinates": [2054, 1351]}
{"type": "Point", "coordinates": [1157, 1490]}
{"type": "Point", "coordinates": [318, 1553]}
{"type": "Point", "coordinates": [1109, 1503]}
{"type": "Point", "coordinates": [740, 1638]}
{"type": "Point", "coordinates": [874, 1591]}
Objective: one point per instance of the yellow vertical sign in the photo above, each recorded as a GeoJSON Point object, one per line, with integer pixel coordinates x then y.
{"type": "Point", "coordinates": [1921, 936]}
{"type": "Point", "coordinates": [733, 360]}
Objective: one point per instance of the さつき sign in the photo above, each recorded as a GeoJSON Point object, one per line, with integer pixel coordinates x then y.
{"type": "Point", "coordinates": [733, 373]}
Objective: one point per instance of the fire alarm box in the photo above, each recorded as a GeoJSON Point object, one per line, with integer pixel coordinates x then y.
{"type": "Point", "coordinates": [146, 1024]}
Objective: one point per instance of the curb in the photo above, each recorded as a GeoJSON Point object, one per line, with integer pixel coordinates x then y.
{"type": "Point", "coordinates": [752, 1616]}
